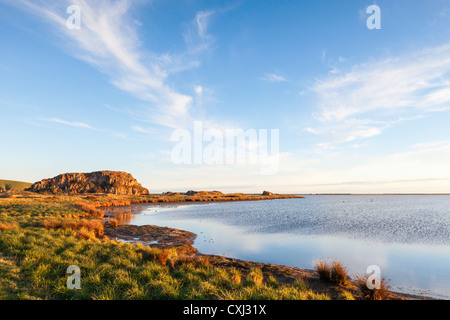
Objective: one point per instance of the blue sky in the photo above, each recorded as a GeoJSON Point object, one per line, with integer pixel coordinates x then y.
{"type": "Point", "coordinates": [357, 110]}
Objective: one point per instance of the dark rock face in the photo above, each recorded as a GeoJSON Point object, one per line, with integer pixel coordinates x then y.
{"type": "Point", "coordinates": [115, 182]}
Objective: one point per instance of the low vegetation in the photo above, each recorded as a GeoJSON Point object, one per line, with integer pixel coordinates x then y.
{"type": "Point", "coordinates": [381, 293]}
{"type": "Point", "coordinates": [8, 185]}
{"type": "Point", "coordinates": [40, 238]}
{"type": "Point", "coordinates": [333, 272]}
{"type": "Point", "coordinates": [42, 235]}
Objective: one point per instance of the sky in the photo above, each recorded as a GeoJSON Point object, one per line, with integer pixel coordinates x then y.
{"type": "Point", "coordinates": [236, 96]}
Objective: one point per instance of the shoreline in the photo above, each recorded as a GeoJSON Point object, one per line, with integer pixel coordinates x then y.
{"type": "Point", "coordinates": [170, 238]}
{"type": "Point", "coordinates": [166, 237]}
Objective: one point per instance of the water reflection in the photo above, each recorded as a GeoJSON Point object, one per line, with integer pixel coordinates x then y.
{"type": "Point", "coordinates": [273, 232]}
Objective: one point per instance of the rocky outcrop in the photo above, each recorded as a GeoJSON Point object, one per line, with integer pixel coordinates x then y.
{"type": "Point", "coordinates": [267, 193]}
{"type": "Point", "coordinates": [203, 193]}
{"type": "Point", "coordinates": [115, 182]}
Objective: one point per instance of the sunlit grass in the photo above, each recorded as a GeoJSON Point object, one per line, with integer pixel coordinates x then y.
{"type": "Point", "coordinates": [40, 239]}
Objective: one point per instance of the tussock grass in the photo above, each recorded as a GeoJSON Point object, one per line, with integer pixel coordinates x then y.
{"type": "Point", "coordinates": [372, 294]}
{"type": "Point", "coordinates": [333, 272]}
{"type": "Point", "coordinates": [90, 209]}
{"type": "Point", "coordinates": [323, 270]}
{"type": "Point", "coordinates": [338, 273]}
{"type": "Point", "coordinates": [85, 229]}
{"type": "Point", "coordinates": [8, 225]}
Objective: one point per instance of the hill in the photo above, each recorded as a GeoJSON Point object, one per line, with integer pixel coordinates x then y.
{"type": "Point", "coordinates": [16, 185]}
{"type": "Point", "coordinates": [113, 182]}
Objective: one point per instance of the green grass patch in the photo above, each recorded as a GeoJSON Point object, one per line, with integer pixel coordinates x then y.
{"type": "Point", "coordinates": [15, 185]}
{"type": "Point", "coordinates": [42, 240]}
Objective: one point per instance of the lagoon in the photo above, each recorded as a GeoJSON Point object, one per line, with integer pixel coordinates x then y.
{"type": "Point", "coordinates": [407, 236]}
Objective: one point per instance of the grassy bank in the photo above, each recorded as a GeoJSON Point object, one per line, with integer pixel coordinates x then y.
{"type": "Point", "coordinates": [40, 238]}
{"type": "Point", "coordinates": [15, 185]}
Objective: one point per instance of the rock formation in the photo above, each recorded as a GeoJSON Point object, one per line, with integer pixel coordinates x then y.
{"type": "Point", "coordinates": [115, 182]}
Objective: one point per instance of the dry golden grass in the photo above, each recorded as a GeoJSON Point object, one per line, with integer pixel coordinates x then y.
{"type": "Point", "coordinates": [8, 225]}
{"type": "Point", "coordinates": [338, 273]}
{"type": "Point", "coordinates": [372, 294]}
{"type": "Point", "coordinates": [90, 208]}
{"type": "Point", "coordinates": [323, 270]}
{"type": "Point", "coordinates": [334, 272]}
{"type": "Point", "coordinates": [114, 222]}
{"type": "Point", "coordinates": [85, 228]}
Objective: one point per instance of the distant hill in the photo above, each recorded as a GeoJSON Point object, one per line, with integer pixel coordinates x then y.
{"type": "Point", "coordinates": [113, 182]}
{"type": "Point", "coordinates": [16, 185]}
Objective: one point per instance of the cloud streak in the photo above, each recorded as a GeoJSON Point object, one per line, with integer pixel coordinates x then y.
{"type": "Point", "coordinates": [108, 41]}
{"type": "Point", "coordinates": [271, 77]}
{"type": "Point", "coordinates": [70, 123]}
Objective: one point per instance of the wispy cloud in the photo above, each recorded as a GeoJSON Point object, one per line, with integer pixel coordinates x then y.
{"type": "Point", "coordinates": [364, 101]}
{"type": "Point", "coordinates": [197, 37]}
{"type": "Point", "coordinates": [70, 123]}
{"type": "Point", "coordinates": [108, 40]}
{"type": "Point", "coordinates": [272, 77]}
{"type": "Point", "coordinates": [149, 131]}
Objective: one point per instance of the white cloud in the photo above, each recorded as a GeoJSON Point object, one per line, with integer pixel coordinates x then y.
{"type": "Point", "coordinates": [271, 77]}
{"type": "Point", "coordinates": [140, 129]}
{"type": "Point", "coordinates": [70, 123]}
{"type": "Point", "coordinates": [373, 96]}
{"type": "Point", "coordinates": [108, 40]}
{"type": "Point", "coordinates": [197, 37]}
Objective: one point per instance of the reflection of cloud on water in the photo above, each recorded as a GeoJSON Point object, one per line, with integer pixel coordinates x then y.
{"type": "Point", "coordinates": [232, 230]}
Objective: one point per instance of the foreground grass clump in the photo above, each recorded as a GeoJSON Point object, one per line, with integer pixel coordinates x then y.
{"type": "Point", "coordinates": [333, 272]}
{"type": "Point", "coordinates": [40, 239]}
{"type": "Point", "coordinates": [381, 293]}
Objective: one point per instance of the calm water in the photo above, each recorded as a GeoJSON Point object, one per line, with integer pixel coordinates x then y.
{"type": "Point", "coordinates": [406, 236]}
